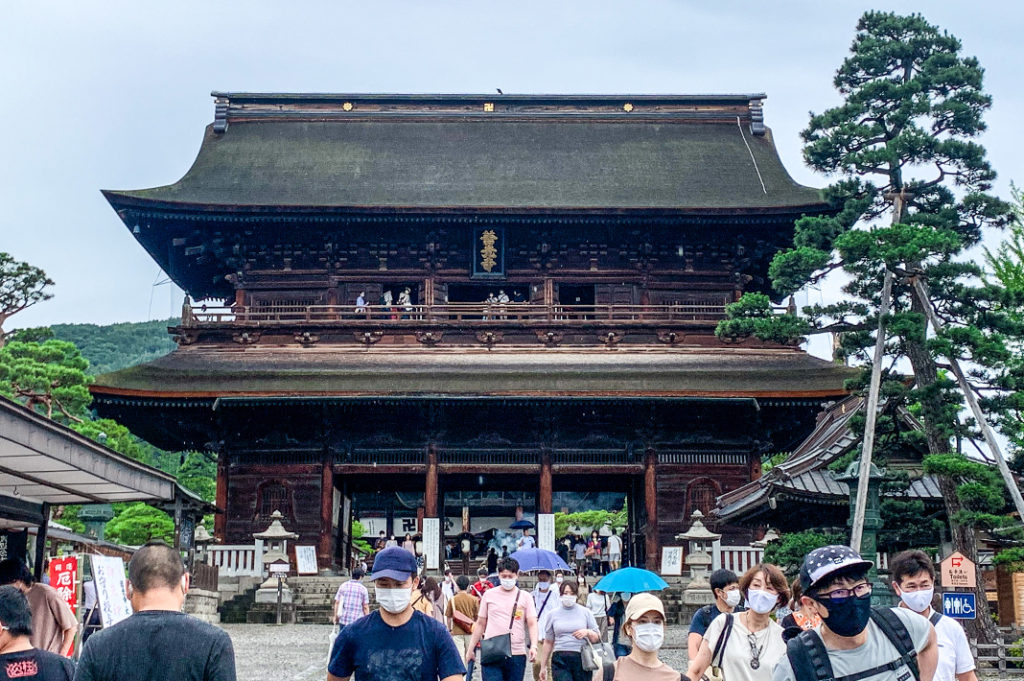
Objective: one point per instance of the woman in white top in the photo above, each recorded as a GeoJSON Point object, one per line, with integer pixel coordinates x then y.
{"type": "Point", "coordinates": [597, 602]}
{"type": "Point", "coordinates": [754, 642]}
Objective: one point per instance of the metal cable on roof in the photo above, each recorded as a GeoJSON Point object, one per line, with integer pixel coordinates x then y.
{"type": "Point", "coordinates": [751, 152]}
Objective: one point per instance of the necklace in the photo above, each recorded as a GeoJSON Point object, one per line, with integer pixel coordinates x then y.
{"type": "Point", "coordinates": [755, 649]}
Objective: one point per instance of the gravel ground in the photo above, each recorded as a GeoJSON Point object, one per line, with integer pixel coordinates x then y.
{"type": "Point", "coordinates": [265, 652]}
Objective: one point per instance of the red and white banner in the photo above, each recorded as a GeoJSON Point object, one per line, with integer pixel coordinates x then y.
{"type": "Point", "coordinates": [64, 578]}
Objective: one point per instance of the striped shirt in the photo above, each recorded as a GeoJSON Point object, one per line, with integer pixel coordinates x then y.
{"type": "Point", "coordinates": [353, 596]}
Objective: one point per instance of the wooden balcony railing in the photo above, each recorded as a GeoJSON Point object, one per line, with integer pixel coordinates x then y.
{"type": "Point", "coordinates": [513, 314]}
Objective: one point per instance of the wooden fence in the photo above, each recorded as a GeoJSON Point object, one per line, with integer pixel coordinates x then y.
{"type": "Point", "coordinates": [1002, 659]}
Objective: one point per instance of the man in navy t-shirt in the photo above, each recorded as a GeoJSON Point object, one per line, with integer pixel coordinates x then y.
{"type": "Point", "coordinates": [396, 643]}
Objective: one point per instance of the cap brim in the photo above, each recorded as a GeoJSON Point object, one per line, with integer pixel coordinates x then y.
{"type": "Point", "coordinates": [866, 564]}
{"type": "Point", "coordinates": [396, 575]}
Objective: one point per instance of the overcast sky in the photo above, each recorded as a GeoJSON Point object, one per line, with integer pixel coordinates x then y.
{"type": "Point", "coordinates": [115, 95]}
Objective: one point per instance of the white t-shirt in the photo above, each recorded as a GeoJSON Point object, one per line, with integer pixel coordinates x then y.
{"type": "Point", "coordinates": [597, 604]}
{"type": "Point", "coordinates": [614, 546]}
{"type": "Point", "coordinates": [954, 651]}
{"type": "Point", "coordinates": [737, 656]}
{"type": "Point", "coordinates": [876, 651]}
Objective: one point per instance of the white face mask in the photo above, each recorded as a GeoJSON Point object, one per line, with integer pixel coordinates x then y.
{"type": "Point", "coordinates": [558, 579]}
{"type": "Point", "coordinates": [918, 601]}
{"type": "Point", "coordinates": [568, 600]}
{"type": "Point", "coordinates": [732, 598]}
{"type": "Point", "coordinates": [626, 596]}
{"type": "Point", "coordinates": [543, 586]}
{"type": "Point", "coordinates": [508, 584]}
{"type": "Point", "coordinates": [648, 637]}
{"type": "Point", "coordinates": [394, 601]}
{"type": "Point", "coordinates": [760, 601]}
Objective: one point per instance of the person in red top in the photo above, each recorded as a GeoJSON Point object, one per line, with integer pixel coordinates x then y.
{"type": "Point", "coordinates": [482, 584]}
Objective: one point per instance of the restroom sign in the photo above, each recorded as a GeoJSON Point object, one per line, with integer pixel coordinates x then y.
{"type": "Point", "coordinates": [958, 572]}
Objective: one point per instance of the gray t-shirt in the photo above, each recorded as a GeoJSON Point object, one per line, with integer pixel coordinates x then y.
{"type": "Point", "coordinates": [560, 622]}
{"type": "Point", "coordinates": [878, 650]}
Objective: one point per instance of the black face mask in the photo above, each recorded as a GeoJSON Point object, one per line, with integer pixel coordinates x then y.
{"type": "Point", "coordinates": [848, 617]}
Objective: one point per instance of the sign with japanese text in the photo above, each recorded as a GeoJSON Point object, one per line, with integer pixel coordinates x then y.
{"type": "Point", "coordinates": [305, 560]}
{"type": "Point", "coordinates": [14, 544]}
{"type": "Point", "coordinates": [672, 560]}
{"type": "Point", "coordinates": [546, 531]}
{"type": "Point", "coordinates": [488, 251]}
{"type": "Point", "coordinates": [959, 606]}
{"type": "Point", "coordinates": [64, 578]}
{"type": "Point", "coordinates": [958, 572]}
{"type": "Point", "coordinates": [432, 542]}
{"type": "Point", "coordinates": [111, 593]}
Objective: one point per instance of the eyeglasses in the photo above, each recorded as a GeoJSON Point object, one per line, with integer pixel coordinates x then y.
{"type": "Point", "coordinates": [839, 595]}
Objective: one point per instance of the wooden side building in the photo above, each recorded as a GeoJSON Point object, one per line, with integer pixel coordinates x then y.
{"type": "Point", "coordinates": [460, 305]}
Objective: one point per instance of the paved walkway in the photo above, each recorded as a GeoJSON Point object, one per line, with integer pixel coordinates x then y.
{"type": "Point", "coordinates": [265, 652]}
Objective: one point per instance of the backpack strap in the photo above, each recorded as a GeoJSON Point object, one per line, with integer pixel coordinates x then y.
{"type": "Point", "coordinates": [723, 640]}
{"type": "Point", "coordinates": [808, 657]}
{"type": "Point", "coordinates": [935, 618]}
{"type": "Point", "coordinates": [894, 629]}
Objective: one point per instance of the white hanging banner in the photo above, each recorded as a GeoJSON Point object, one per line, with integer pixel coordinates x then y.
{"type": "Point", "coordinates": [432, 542]}
{"type": "Point", "coordinates": [112, 599]}
{"type": "Point", "coordinates": [546, 531]}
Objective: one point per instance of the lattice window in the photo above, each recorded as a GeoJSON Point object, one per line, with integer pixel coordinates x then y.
{"type": "Point", "coordinates": [700, 496]}
{"type": "Point", "coordinates": [274, 497]}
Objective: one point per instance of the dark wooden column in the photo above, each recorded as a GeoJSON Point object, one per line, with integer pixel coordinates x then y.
{"type": "Point", "coordinates": [220, 520]}
{"type": "Point", "coordinates": [323, 548]}
{"type": "Point", "coordinates": [430, 493]}
{"type": "Point", "coordinates": [652, 547]}
{"type": "Point", "coordinates": [544, 496]}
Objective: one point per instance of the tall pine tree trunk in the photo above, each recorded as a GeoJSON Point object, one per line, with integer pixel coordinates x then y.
{"type": "Point", "coordinates": [964, 538]}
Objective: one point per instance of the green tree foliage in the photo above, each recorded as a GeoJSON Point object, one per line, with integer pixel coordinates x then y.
{"type": "Point", "coordinates": [49, 377]}
{"type": "Point", "coordinates": [587, 521]}
{"type": "Point", "coordinates": [198, 473]}
{"type": "Point", "coordinates": [117, 346]}
{"type": "Point", "coordinates": [752, 315]}
{"type": "Point", "coordinates": [21, 286]}
{"type": "Point", "coordinates": [357, 531]}
{"type": "Point", "coordinates": [138, 523]}
{"type": "Point", "coordinates": [788, 551]}
{"type": "Point", "coordinates": [902, 145]}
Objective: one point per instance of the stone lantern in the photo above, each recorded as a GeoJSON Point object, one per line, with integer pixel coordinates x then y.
{"type": "Point", "coordinates": [698, 558]}
{"type": "Point", "coordinates": [277, 564]}
{"type": "Point", "coordinates": [202, 541]}
{"type": "Point", "coordinates": [881, 593]}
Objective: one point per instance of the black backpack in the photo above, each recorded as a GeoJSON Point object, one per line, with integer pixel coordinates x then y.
{"type": "Point", "coordinates": [809, 658]}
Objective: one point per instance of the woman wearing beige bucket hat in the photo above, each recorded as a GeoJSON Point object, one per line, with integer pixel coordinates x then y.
{"type": "Point", "coordinates": [644, 624]}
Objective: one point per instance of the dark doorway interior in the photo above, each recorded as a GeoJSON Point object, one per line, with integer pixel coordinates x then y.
{"type": "Point", "coordinates": [478, 293]}
{"type": "Point", "coordinates": [576, 294]}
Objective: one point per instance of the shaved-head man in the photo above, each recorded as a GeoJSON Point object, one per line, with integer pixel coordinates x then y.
{"type": "Point", "coordinates": [158, 642]}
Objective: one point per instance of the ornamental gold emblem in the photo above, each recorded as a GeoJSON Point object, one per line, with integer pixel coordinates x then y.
{"type": "Point", "coordinates": [488, 254]}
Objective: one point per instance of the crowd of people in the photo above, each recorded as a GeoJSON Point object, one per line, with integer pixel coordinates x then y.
{"type": "Point", "coordinates": [759, 627]}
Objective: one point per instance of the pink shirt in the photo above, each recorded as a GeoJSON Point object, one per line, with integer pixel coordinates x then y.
{"type": "Point", "coordinates": [496, 606]}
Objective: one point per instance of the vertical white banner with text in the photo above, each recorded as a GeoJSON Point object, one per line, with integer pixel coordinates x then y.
{"type": "Point", "coordinates": [546, 531]}
{"type": "Point", "coordinates": [432, 542]}
{"type": "Point", "coordinates": [108, 572]}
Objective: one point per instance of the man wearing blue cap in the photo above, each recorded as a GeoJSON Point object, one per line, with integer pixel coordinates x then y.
{"type": "Point", "coordinates": [397, 641]}
{"type": "Point", "coordinates": [855, 641]}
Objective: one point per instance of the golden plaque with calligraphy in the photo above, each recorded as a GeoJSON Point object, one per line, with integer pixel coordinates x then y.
{"type": "Point", "coordinates": [489, 247]}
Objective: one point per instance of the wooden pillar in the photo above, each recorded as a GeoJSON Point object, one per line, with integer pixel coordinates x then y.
{"type": "Point", "coordinates": [323, 548]}
{"type": "Point", "coordinates": [544, 497]}
{"type": "Point", "coordinates": [220, 519]}
{"type": "Point", "coordinates": [652, 544]}
{"type": "Point", "coordinates": [41, 537]}
{"type": "Point", "coordinates": [430, 493]}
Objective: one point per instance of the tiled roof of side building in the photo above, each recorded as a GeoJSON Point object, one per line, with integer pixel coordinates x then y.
{"type": "Point", "coordinates": [214, 372]}
{"type": "Point", "coordinates": [532, 153]}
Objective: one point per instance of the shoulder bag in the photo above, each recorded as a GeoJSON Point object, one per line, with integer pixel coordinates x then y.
{"type": "Point", "coordinates": [594, 656]}
{"type": "Point", "coordinates": [462, 619]}
{"type": "Point", "coordinates": [714, 672]}
{"type": "Point", "coordinates": [497, 649]}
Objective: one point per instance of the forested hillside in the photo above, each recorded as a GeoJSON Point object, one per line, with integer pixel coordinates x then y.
{"type": "Point", "coordinates": [116, 346]}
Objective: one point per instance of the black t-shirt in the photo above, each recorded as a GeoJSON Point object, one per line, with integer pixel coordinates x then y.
{"type": "Point", "coordinates": [702, 618]}
{"type": "Point", "coordinates": [158, 645]}
{"type": "Point", "coordinates": [36, 665]}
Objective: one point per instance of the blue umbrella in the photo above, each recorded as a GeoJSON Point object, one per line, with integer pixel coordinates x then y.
{"type": "Point", "coordinates": [631, 580]}
{"type": "Point", "coordinates": [521, 525]}
{"type": "Point", "coordinates": [539, 559]}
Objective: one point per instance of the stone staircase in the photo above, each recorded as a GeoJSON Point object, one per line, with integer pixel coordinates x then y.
{"type": "Point", "coordinates": [235, 609]}
{"type": "Point", "coordinates": [314, 597]}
